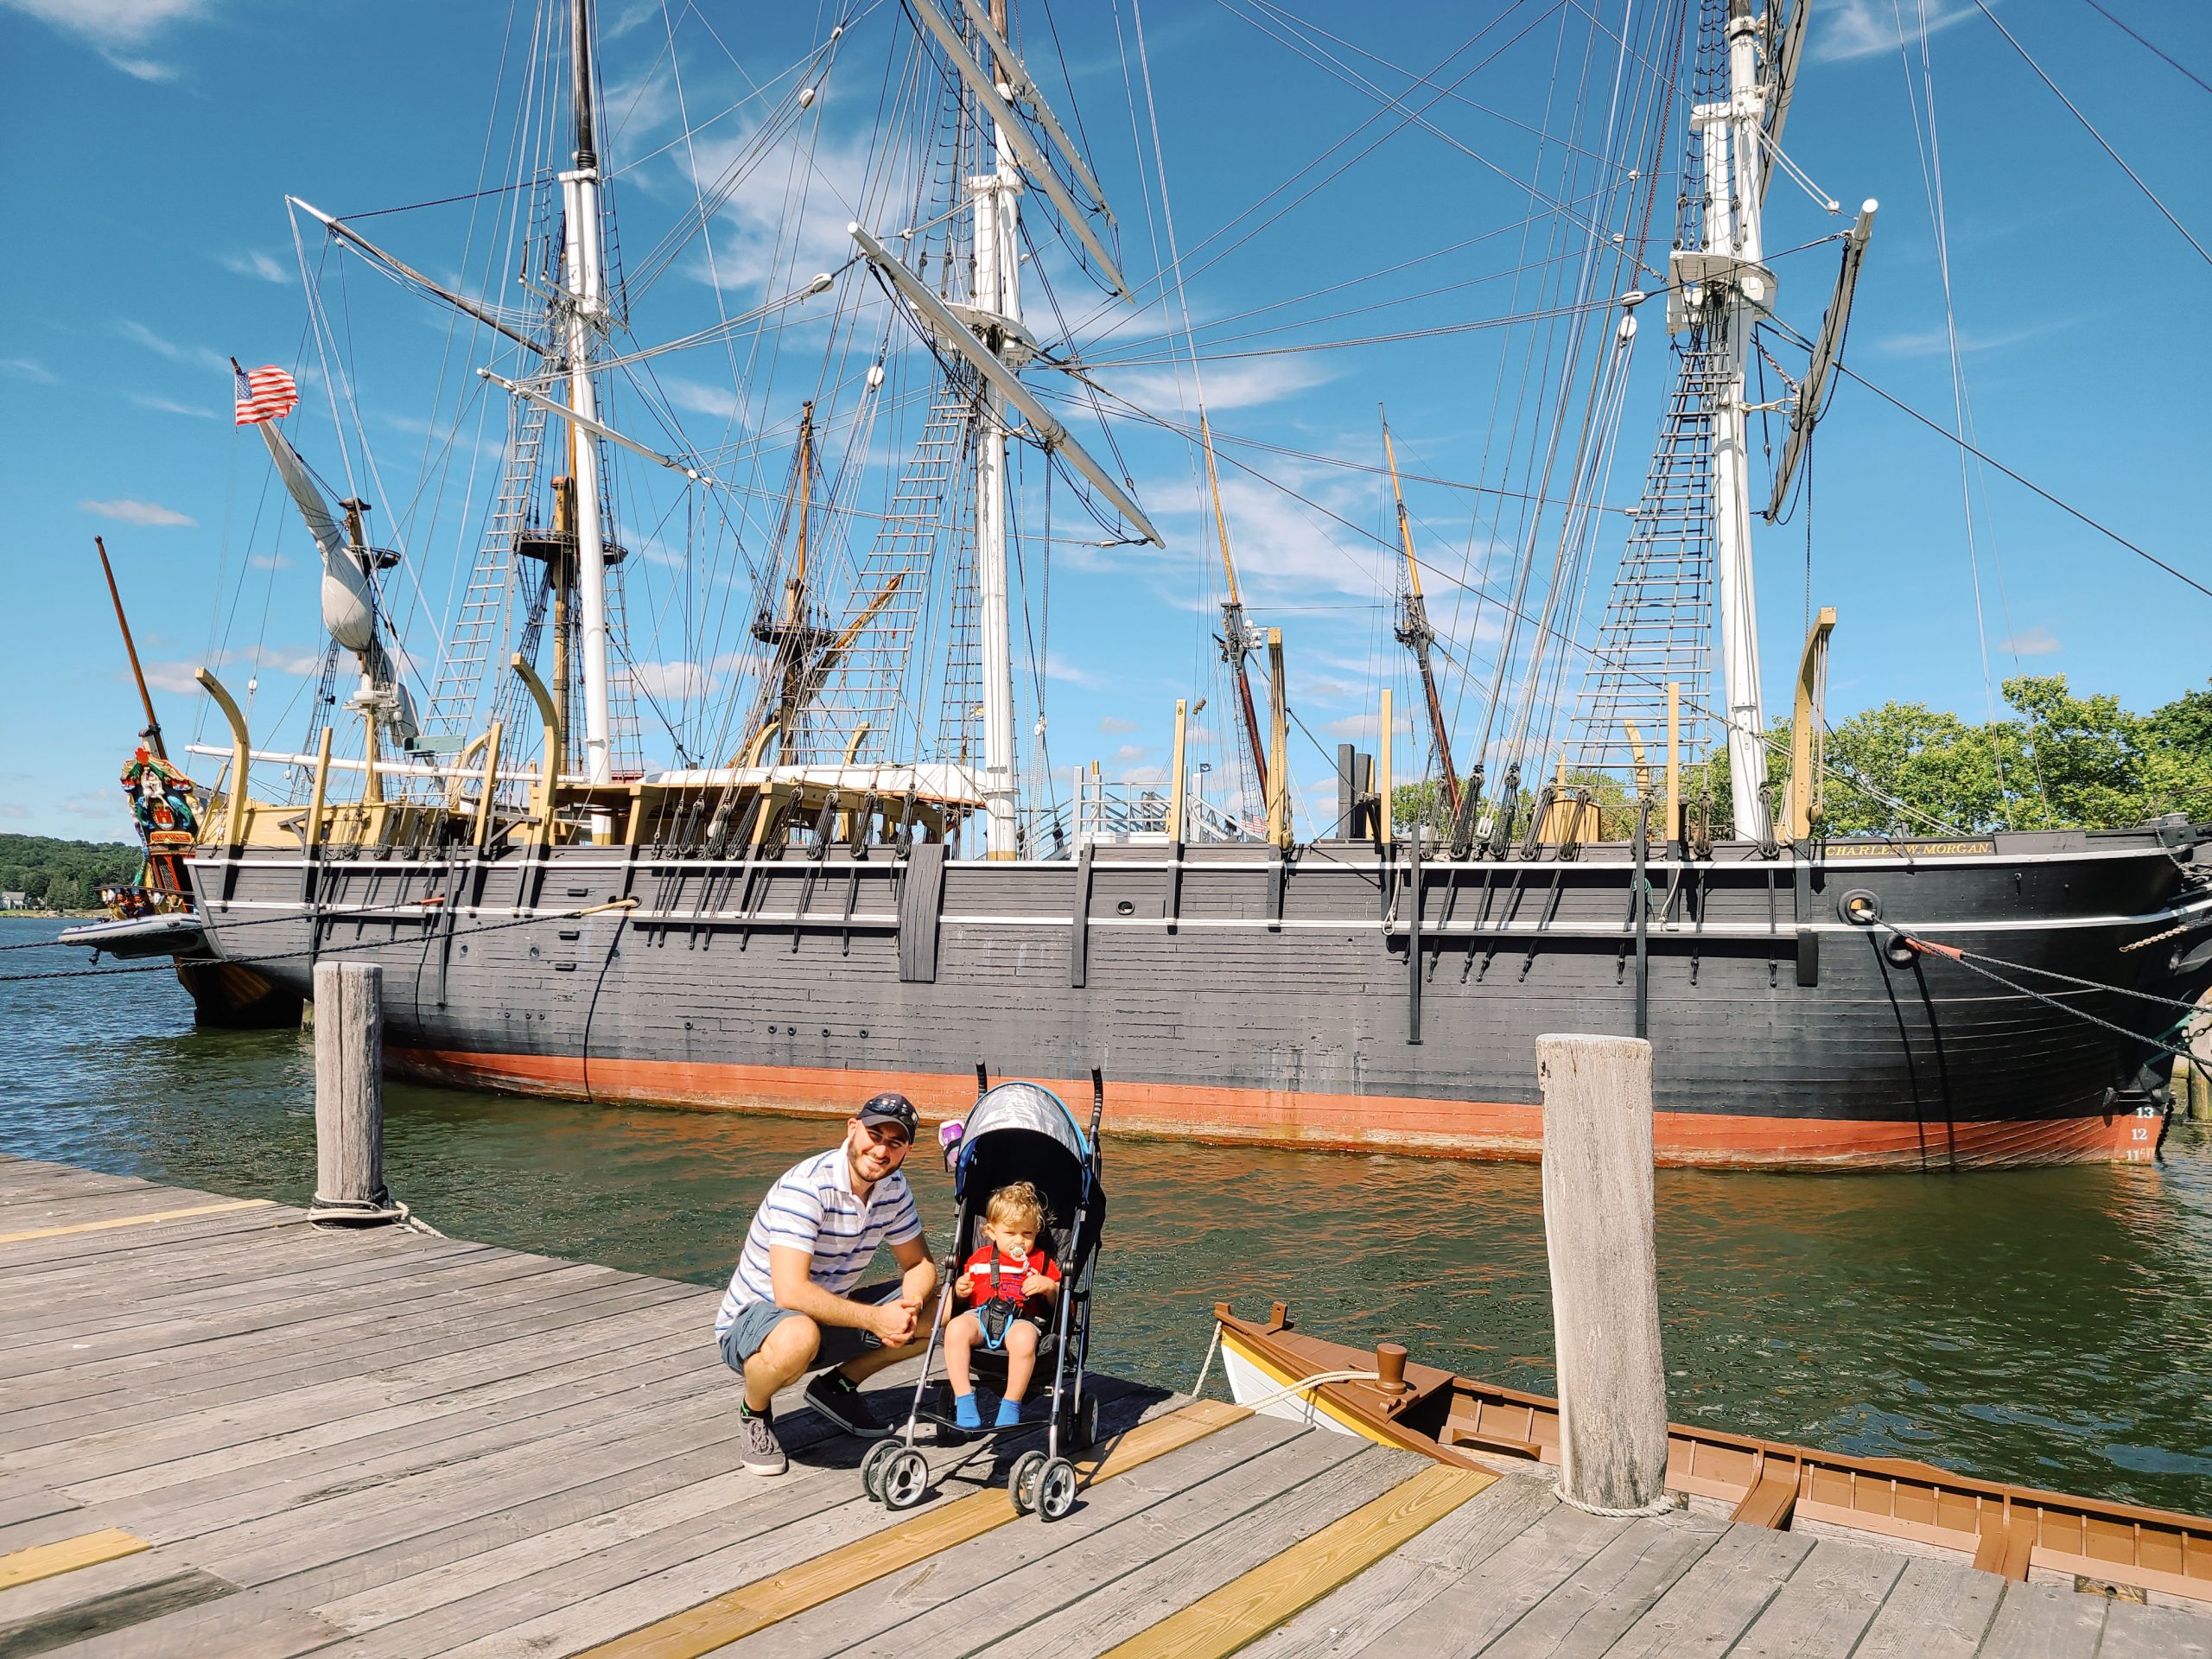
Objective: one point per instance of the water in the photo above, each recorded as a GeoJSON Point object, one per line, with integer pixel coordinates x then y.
{"type": "Point", "coordinates": [2048, 1326]}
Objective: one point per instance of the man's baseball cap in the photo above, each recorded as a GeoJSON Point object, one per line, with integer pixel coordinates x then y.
{"type": "Point", "coordinates": [892, 1107]}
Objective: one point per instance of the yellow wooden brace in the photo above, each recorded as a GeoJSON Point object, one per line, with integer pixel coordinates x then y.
{"type": "Point", "coordinates": [137, 1221]}
{"type": "Point", "coordinates": [755, 1606]}
{"type": "Point", "coordinates": [88, 1549]}
{"type": "Point", "coordinates": [1248, 1607]}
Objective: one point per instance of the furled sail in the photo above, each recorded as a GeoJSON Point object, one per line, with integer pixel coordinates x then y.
{"type": "Point", "coordinates": [348, 608]}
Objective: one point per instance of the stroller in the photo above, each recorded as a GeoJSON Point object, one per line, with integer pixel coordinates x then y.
{"type": "Point", "coordinates": [1018, 1131]}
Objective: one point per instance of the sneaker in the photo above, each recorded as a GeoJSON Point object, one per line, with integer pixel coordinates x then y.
{"type": "Point", "coordinates": [837, 1397]}
{"type": "Point", "coordinates": [758, 1448]}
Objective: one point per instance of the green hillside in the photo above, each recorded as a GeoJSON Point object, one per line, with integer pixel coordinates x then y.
{"type": "Point", "coordinates": [64, 874]}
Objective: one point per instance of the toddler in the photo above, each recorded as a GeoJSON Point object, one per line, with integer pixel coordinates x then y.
{"type": "Point", "coordinates": [1008, 1284]}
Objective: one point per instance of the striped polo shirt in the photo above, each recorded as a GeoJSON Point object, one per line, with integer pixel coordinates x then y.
{"type": "Point", "coordinates": [812, 1207]}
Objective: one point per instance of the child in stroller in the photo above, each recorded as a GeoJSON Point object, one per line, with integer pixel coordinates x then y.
{"type": "Point", "coordinates": [1008, 1284]}
{"type": "Point", "coordinates": [1018, 1136]}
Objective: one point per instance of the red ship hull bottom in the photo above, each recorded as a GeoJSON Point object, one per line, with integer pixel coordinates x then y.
{"type": "Point", "coordinates": [1450, 1129]}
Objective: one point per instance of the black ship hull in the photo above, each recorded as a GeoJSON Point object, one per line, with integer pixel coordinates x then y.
{"type": "Point", "coordinates": [1329, 998]}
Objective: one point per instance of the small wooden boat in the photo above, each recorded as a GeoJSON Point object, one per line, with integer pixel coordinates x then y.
{"type": "Point", "coordinates": [2005, 1529]}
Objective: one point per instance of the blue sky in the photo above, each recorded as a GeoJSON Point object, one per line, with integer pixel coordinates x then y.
{"type": "Point", "coordinates": [152, 141]}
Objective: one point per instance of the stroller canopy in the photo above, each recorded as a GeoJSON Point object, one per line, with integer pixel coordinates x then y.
{"type": "Point", "coordinates": [1024, 1132]}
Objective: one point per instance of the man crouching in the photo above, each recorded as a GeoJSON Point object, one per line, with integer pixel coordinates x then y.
{"type": "Point", "coordinates": [791, 1303]}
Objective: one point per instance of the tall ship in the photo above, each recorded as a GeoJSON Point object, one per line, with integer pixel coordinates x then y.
{"type": "Point", "coordinates": [860, 868]}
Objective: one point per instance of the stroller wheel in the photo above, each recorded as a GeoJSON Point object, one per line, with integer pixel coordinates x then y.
{"type": "Point", "coordinates": [904, 1480]}
{"type": "Point", "coordinates": [873, 1465]}
{"type": "Point", "coordinates": [1055, 1489]}
{"type": "Point", "coordinates": [1022, 1480]}
{"type": "Point", "coordinates": [1083, 1427]}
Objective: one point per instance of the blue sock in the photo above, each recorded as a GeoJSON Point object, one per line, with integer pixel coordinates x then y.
{"type": "Point", "coordinates": [1009, 1414]}
{"type": "Point", "coordinates": [964, 1411]}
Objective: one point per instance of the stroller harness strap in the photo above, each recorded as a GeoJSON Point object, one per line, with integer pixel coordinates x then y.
{"type": "Point", "coordinates": [997, 1311]}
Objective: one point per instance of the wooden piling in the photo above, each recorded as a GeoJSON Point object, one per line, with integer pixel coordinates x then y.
{"type": "Point", "coordinates": [1598, 1232]}
{"type": "Point", "coordinates": [349, 1092]}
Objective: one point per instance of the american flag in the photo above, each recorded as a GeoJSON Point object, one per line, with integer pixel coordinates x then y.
{"type": "Point", "coordinates": [263, 394]}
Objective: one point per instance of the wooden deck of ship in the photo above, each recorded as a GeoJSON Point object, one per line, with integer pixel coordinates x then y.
{"type": "Point", "coordinates": [224, 1431]}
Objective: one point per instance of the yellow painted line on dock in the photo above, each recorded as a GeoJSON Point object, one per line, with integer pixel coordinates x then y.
{"type": "Point", "coordinates": [1248, 1607]}
{"type": "Point", "coordinates": [88, 1549]}
{"type": "Point", "coordinates": [137, 1221]}
{"type": "Point", "coordinates": [769, 1601]}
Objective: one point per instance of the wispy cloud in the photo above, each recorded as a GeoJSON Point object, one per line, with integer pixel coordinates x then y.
{"type": "Point", "coordinates": [22, 368]}
{"type": "Point", "coordinates": [199, 356]}
{"type": "Point", "coordinates": [1860, 28]}
{"type": "Point", "coordinates": [251, 261]}
{"type": "Point", "coordinates": [1115, 726]}
{"type": "Point", "coordinates": [268, 562]}
{"type": "Point", "coordinates": [703, 399]}
{"type": "Point", "coordinates": [1936, 342]}
{"type": "Point", "coordinates": [117, 30]}
{"type": "Point", "coordinates": [1244, 385]}
{"type": "Point", "coordinates": [170, 406]}
{"type": "Point", "coordinates": [135, 512]}
{"type": "Point", "coordinates": [1057, 667]}
{"type": "Point", "coordinates": [178, 674]}
{"type": "Point", "coordinates": [2033, 642]}
{"type": "Point", "coordinates": [674, 682]}
{"type": "Point", "coordinates": [1358, 725]}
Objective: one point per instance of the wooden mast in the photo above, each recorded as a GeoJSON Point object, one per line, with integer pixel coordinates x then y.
{"type": "Point", "coordinates": [1237, 639]}
{"type": "Point", "coordinates": [1415, 633]}
{"type": "Point", "coordinates": [145, 697]}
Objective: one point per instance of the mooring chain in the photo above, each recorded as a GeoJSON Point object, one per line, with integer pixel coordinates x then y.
{"type": "Point", "coordinates": [1971, 960]}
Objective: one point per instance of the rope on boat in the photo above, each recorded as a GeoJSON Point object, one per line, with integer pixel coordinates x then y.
{"type": "Point", "coordinates": [1199, 1388]}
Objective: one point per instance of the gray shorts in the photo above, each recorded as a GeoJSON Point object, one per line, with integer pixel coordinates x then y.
{"type": "Point", "coordinates": [839, 1342]}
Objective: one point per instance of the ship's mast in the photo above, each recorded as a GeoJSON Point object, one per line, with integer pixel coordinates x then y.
{"type": "Point", "coordinates": [1417, 635]}
{"type": "Point", "coordinates": [586, 307]}
{"type": "Point", "coordinates": [1238, 637]}
{"type": "Point", "coordinates": [1741, 289]}
{"type": "Point", "coordinates": [996, 197]}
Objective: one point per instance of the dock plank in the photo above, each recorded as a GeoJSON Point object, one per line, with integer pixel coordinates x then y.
{"type": "Point", "coordinates": [431, 1339]}
{"type": "Point", "coordinates": [2044, 1621]}
{"type": "Point", "coordinates": [1712, 1604]}
{"type": "Point", "coordinates": [385, 1445]}
{"type": "Point", "coordinates": [1493, 1595]}
{"type": "Point", "coordinates": [1826, 1605]}
{"type": "Point", "coordinates": [334, 1394]}
{"type": "Point", "coordinates": [2135, 1631]}
{"type": "Point", "coordinates": [1936, 1610]}
{"type": "Point", "coordinates": [278, 1454]}
{"type": "Point", "coordinates": [1176, 1565]}
{"type": "Point", "coordinates": [1035, 1570]}
{"type": "Point", "coordinates": [1221, 1621]}
{"type": "Point", "coordinates": [794, 1564]}
{"type": "Point", "coordinates": [1359, 1615]}
{"type": "Point", "coordinates": [1595, 1608]}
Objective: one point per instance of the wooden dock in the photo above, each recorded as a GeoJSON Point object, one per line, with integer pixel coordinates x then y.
{"type": "Point", "coordinates": [225, 1432]}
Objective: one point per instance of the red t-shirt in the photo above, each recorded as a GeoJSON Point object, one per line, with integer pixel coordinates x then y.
{"type": "Point", "coordinates": [1014, 1270]}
